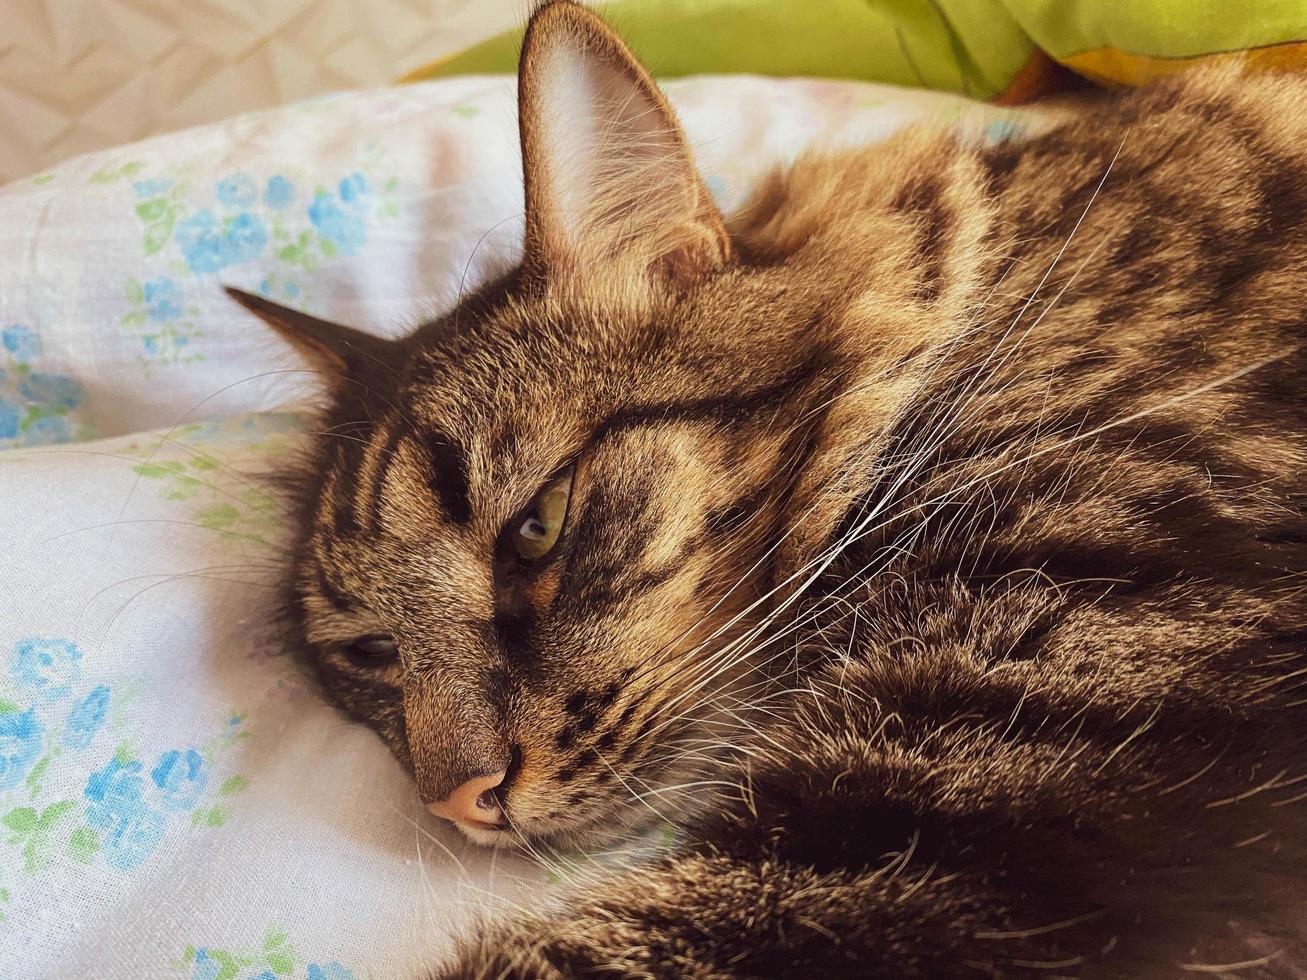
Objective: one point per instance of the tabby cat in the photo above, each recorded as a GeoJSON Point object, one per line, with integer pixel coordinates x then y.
{"type": "Point", "coordinates": [930, 544]}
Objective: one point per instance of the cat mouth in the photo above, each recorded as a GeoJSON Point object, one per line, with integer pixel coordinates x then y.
{"type": "Point", "coordinates": [486, 834]}
{"type": "Point", "coordinates": [496, 825]}
{"type": "Point", "coordinates": [507, 830]}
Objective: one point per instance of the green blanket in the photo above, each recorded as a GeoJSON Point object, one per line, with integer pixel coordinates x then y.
{"type": "Point", "coordinates": [1002, 50]}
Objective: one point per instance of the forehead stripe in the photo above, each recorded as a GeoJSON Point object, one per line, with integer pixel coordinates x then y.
{"type": "Point", "coordinates": [386, 456]}
{"type": "Point", "coordinates": [731, 409]}
{"type": "Point", "coordinates": [449, 480]}
{"type": "Point", "coordinates": [336, 505]}
{"type": "Point", "coordinates": [329, 591]}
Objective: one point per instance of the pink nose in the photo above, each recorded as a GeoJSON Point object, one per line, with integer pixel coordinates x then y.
{"type": "Point", "coordinates": [473, 803]}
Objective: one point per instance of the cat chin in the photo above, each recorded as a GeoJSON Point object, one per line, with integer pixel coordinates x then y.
{"type": "Point", "coordinates": [487, 838]}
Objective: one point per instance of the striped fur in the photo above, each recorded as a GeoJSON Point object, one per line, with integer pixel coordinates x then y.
{"type": "Point", "coordinates": [950, 521]}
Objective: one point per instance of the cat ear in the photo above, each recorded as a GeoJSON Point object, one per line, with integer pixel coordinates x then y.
{"type": "Point", "coordinates": [608, 175]}
{"type": "Point", "coordinates": [339, 351]}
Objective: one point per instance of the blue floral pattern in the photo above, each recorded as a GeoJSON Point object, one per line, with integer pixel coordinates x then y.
{"type": "Point", "coordinates": [237, 191]}
{"type": "Point", "coordinates": [127, 809]}
{"type": "Point", "coordinates": [21, 343]}
{"type": "Point", "coordinates": [210, 246]}
{"type": "Point", "coordinates": [165, 318]}
{"type": "Point", "coordinates": [45, 669]}
{"type": "Point", "coordinates": [164, 299]}
{"type": "Point", "coordinates": [147, 189]}
{"type": "Point", "coordinates": [279, 194]}
{"type": "Point", "coordinates": [329, 971]}
{"type": "Point", "coordinates": [243, 237]}
{"type": "Point", "coordinates": [86, 717]}
{"type": "Point", "coordinates": [246, 220]}
{"type": "Point", "coordinates": [57, 391]}
{"type": "Point", "coordinates": [36, 407]}
{"type": "Point", "coordinates": [130, 828]}
{"type": "Point", "coordinates": [20, 743]}
{"type": "Point", "coordinates": [181, 778]}
{"type": "Point", "coordinates": [340, 219]}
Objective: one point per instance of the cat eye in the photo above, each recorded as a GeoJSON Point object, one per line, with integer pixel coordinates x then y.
{"type": "Point", "coordinates": [539, 529]}
{"type": "Point", "coordinates": [371, 651]}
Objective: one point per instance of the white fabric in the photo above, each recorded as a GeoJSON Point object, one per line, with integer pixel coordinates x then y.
{"type": "Point", "coordinates": [175, 798]}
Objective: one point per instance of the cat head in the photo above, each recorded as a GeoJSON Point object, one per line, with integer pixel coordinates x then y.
{"type": "Point", "coordinates": [540, 534]}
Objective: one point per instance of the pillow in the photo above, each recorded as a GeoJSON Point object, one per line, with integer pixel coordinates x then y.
{"type": "Point", "coordinates": [175, 797]}
{"type": "Point", "coordinates": [371, 208]}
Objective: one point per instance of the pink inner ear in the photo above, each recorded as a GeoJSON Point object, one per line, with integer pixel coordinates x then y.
{"type": "Point", "coordinates": [608, 173]}
{"type": "Point", "coordinates": [610, 151]}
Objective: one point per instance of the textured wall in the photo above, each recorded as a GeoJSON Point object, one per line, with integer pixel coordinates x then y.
{"type": "Point", "coordinates": [79, 75]}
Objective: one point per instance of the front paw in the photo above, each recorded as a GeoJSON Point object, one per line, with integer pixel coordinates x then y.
{"type": "Point", "coordinates": [552, 949]}
{"type": "Point", "coordinates": [520, 958]}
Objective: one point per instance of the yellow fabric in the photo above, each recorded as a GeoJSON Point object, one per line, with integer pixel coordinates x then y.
{"type": "Point", "coordinates": [1113, 67]}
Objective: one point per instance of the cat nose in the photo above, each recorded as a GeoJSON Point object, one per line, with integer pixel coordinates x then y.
{"type": "Point", "coordinates": [473, 803]}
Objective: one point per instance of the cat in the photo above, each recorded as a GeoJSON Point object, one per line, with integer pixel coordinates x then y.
{"type": "Point", "coordinates": [929, 544]}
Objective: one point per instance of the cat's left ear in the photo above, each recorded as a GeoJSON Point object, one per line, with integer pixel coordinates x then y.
{"type": "Point", "coordinates": [342, 353]}
{"type": "Point", "coordinates": [609, 177]}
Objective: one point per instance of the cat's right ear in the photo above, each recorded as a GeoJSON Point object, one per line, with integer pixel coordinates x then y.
{"type": "Point", "coordinates": [612, 192]}
{"type": "Point", "coordinates": [341, 353]}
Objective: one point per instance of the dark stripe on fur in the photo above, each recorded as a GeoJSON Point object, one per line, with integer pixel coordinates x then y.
{"type": "Point", "coordinates": [398, 430]}
{"type": "Point", "coordinates": [731, 409]}
{"type": "Point", "coordinates": [329, 592]}
{"type": "Point", "coordinates": [923, 199]}
{"type": "Point", "coordinates": [449, 478]}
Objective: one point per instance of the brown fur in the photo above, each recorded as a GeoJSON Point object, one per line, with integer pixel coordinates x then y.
{"type": "Point", "coordinates": [951, 517]}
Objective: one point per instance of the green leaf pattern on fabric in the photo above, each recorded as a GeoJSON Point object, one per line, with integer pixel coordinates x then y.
{"type": "Point", "coordinates": [274, 957]}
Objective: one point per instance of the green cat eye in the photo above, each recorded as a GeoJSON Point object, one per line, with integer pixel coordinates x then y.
{"type": "Point", "coordinates": [542, 525]}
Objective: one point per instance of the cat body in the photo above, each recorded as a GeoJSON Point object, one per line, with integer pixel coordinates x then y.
{"type": "Point", "coordinates": [934, 549]}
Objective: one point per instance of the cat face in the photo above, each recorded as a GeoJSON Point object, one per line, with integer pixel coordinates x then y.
{"type": "Point", "coordinates": [539, 534]}
{"type": "Point", "coordinates": [564, 569]}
